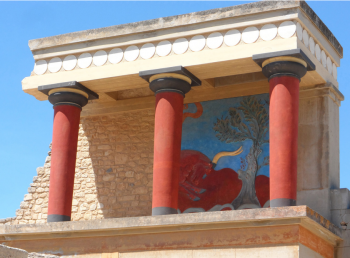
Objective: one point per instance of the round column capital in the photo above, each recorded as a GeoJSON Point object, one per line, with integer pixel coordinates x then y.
{"type": "Point", "coordinates": [284, 66]}
{"type": "Point", "coordinates": [68, 96]}
{"type": "Point", "coordinates": [170, 82]}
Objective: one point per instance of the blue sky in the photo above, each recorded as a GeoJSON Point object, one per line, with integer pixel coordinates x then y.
{"type": "Point", "coordinates": [26, 124]}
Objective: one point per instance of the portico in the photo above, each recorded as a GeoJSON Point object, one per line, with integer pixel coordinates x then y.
{"type": "Point", "coordinates": [119, 95]}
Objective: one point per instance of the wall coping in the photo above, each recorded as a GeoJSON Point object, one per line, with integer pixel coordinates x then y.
{"type": "Point", "coordinates": [184, 20]}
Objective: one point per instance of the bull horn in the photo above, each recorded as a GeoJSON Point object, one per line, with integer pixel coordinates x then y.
{"type": "Point", "coordinates": [226, 153]}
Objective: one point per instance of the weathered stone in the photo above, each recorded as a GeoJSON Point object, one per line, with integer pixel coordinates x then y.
{"type": "Point", "coordinates": [28, 197]}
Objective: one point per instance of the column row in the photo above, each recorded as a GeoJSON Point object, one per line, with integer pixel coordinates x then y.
{"type": "Point", "coordinates": [170, 86]}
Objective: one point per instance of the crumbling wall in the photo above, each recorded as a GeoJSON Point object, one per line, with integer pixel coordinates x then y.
{"type": "Point", "coordinates": [113, 176]}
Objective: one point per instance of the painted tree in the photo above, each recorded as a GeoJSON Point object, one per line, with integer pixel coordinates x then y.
{"type": "Point", "coordinates": [249, 122]}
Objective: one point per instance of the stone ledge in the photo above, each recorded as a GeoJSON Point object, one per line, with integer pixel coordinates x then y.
{"type": "Point", "coordinates": [174, 223]}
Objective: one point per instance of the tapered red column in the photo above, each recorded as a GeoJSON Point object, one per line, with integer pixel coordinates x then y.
{"type": "Point", "coordinates": [67, 103]}
{"type": "Point", "coordinates": [63, 158]}
{"type": "Point", "coordinates": [284, 111]}
{"type": "Point", "coordinates": [167, 148]}
{"type": "Point", "coordinates": [284, 75]}
{"type": "Point", "coordinates": [170, 86]}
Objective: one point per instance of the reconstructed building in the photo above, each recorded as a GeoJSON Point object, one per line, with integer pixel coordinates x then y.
{"type": "Point", "coordinates": [209, 134]}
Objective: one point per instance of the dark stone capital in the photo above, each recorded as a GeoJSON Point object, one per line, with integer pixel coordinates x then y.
{"type": "Point", "coordinates": [284, 63]}
{"type": "Point", "coordinates": [68, 93]}
{"type": "Point", "coordinates": [172, 79]}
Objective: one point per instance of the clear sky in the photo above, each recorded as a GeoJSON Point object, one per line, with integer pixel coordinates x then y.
{"type": "Point", "coordinates": [26, 123]}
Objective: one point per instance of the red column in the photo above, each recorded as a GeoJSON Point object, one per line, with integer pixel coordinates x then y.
{"type": "Point", "coordinates": [167, 148]}
{"type": "Point", "coordinates": [284, 112]}
{"type": "Point", "coordinates": [63, 158]}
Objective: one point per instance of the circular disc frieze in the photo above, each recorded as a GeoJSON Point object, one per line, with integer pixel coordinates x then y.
{"type": "Point", "coordinates": [163, 48]}
{"type": "Point", "coordinates": [268, 32]}
{"type": "Point", "coordinates": [55, 64]}
{"type": "Point", "coordinates": [100, 58]}
{"type": "Point", "coordinates": [115, 55]}
{"type": "Point", "coordinates": [197, 43]}
{"type": "Point", "coordinates": [215, 40]}
{"type": "Point", "coordinates": [232, 37]}
{"type": "Point", "coordinates": [305, 38]}
{"type": "Point", "coordinates": [329, 65]}
{"type": "Point", "coordinates": [250, 35]}
{"type": "Point", "coordinates": [180, 46]}
{"type": "Point", "coordinates": [287, 29]}
{"type": "Point", "coordinates": [84, 60]}
{"type": "Point", "coordinates": [299, 31]}
{"type": "Point", "coordinates": [69, 62]}
{"type": "Point", "coordinates": [40, 67]}
{"type": "Point", "coordinates": [312, 45]}
{"type": "Point", "coordinates": [131, 53]}
{"type": "Point", "coordinates": [318, 52]}
{"type": "Point", "coordinates": [324, 59]}
{"type": "Point", "coordinates": [147, 51]}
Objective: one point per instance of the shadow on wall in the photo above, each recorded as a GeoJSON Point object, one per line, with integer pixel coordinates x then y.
{"type": "Point", "coordinates": [114, 166]}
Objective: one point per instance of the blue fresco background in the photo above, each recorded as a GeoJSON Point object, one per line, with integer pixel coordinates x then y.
{"type": "Point", "coordinates": [198, 133]}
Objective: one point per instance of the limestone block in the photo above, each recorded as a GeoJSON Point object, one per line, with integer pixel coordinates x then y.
{"type": "Point", "coordinates": [318, 200]}
{"type": "Point", "coordinates": [24, 205]}
{"type": "Point", "coordinates": [340, 198]}
{"type": "Point", "coordinates": [28, 197]}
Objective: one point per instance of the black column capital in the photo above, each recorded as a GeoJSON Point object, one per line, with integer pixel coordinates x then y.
{"type": "Point", "coordinates": [284, 63]}
{"type": "Point", "coordinates": [68, 93]}
{"type": "Point", "coordinates": [172, 79]}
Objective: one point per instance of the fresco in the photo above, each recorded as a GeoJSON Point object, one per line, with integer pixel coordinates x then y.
{"type": "Point", "coordinates": [225, 155]}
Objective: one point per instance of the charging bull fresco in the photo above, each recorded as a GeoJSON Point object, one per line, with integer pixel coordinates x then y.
{"type": "Point", "coordinates": [225, 155]}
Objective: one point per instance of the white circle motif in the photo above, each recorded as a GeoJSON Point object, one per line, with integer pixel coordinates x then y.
{"type": "Point", "coordinates": [334, 72]}
{"type": "Point", "coordinates": [318, 52]}
{"type": "Point", "coordinates": [232, 37]}
{"type": "Point", "coordinates": [305, 38]}
{"type": "Point", "coordinates": [147, 51]}
{"type": "Point", "coordinates": [55, 64]}
{"type": "Point", "coordinates": [180, 46]}
{"type": "Point", "coordinates": [324, 58]}
{"type": "Point", "coordinates": [250, 35]}
{"type": "Point", "coordinates": [312, 45]}
{"type": "Point", "coordinates": [163, 48]}
{"type": "Point", "coordinates": [131, 53]}
{"type": "Point", "coordinates": [84, 60]}
{"type": "Point", "coordinates": [215, 40]}
{"type": "Point", "coordinates": [299, 31]}
{"type": "Point", "coordinates": [268, 32]}
{"type": "Point", "coordinates": [115, 55]}
{"type": "Point", "coordinates": [329, 65]}
{"type": "Point", "coordinates": [287, 29]}
{"type": "Point", "coordinates": [40, 67]}
{"type": "Point", "coordinates": [69, 62]}
{"type": "Point", "coordinates": [197, 43]}
{"type": "Point", "coordinates": [100, 58]}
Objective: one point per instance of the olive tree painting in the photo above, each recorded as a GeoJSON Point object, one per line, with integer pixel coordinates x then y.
{"type": "Point", "coordinates": [247, 122]}
{"type": "Point", "coordinates": [225, 155]}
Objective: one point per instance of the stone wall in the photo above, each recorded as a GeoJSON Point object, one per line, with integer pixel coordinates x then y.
{"type": "Point", "coordinates": [113, 176]}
